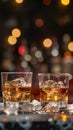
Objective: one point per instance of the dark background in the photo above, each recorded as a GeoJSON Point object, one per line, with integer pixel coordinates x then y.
{"type": "Point", "coordinates": [57, 21]}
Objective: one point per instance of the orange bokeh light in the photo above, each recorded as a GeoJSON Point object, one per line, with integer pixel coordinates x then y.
{"type": "Point", "coordinates": [12, 40]}
{"type": "Point", "coordinates": [47, 43]}
{"type": "Point", "coordinates": [70, 46]}
{"type": "Point", "coordinates": [67, 54]}
{"type": "Point", "coordinates": [19, 1]}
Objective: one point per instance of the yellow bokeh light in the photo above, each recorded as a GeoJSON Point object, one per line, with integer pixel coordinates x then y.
{"type": "Point", "coordinates": [65, 2]}
{"type": "Point", "coordinates": [16, 32]}
{"type": "Point", "coordinates": [70, 46]}
{"type": "Point", "coordinates": [19, 1]}
{"type": "Point", "coordinates": [47, 43]}
{"type": "Point", "coordinates": [12, 40]}
{"type": "Point", "coordinates": [63, 117]}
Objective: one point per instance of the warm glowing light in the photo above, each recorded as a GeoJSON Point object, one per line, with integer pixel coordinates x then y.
{"type": "Point", "coordinates": [21, 50]}
{"type": "Point", "coordinates": [56, 98]}
{"type": "Point", "coordinates": [12, 40]}
{"type": "Point", "coordinates": [65, 2]}
{"type": "Point", "coordinates": [19, 1]}
{"type": "Point", "coordinates": [67, 54]}
{"type": "Point", "coordinates": [47, 43]}
{"type": "Point", "coordinates": [39, 22]}
{"type": "Point", "coordinates": [64, 117]}
{"type": "Point", "coordinates": [56, 69]}
{"type": "Point", "coordinates": [46, 2]}
{"type": "Point", "coordinates": [70, 46]}
{"type": "Point", "coordinates": [16, 32]}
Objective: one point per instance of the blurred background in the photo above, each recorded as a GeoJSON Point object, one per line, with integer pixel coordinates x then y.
{"type": "Point", "coordinates": [36, 35]}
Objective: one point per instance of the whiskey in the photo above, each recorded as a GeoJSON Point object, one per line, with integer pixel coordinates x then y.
{"type": "Point", "coordinates": [54, 94]}
{"type": "Point", "coordinates": [16, 93]}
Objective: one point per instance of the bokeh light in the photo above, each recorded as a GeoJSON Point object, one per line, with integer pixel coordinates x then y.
{"type": "Point", "coordinates": [16, 32]}
{"type": "Point", "coordinates": [70, 46]}
{"type": "Point", "coordinates": [27, 57]}
{"type": "Point", "coordinates": [38, 54]}
{"type": "Point", "coordinates": [66, 38]}
{"type": "Point", "coordinates": [54, 52]}
{"type": "Point", "coordinates": [65, 2]}
{"type": "Point", "coordinates": [12, 40]}
{"type": "Point", "coordinates": [24, 64]}
{"type": "Point", "coordinates": [64, 117]}
{"type": "Point", "coordinates": [40, 31]}
{"type": "Point", "coordinates": [67, 54]}
{"type": "Point", "coordinates": [33, 48]}
{"type": "Point", "coordinates": [39, 22]}
{"type": "Point", "coordinates": [56, 68]}
{"type": "Point", "coordinates": [47, 42]}
{"type": "Point", "coordinates": [44, 68]}
{"type": "Point", "coordinates": [19, 1]}
{"type": "Point", "coordinates": [21, 49]}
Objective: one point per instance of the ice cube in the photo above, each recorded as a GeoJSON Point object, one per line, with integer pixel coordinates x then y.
{"type": "Point", "coordinates": [26, 107]}
{"type": "Point", "coordinates": [60, 84]}
{"type": "Point", "coordinates": [48, 83]}
{"type": "Point", "coordinates": [21, 81]}
{"type": "Point", "coordinates": [18, 82]}
{"type": "Point", "coordinates": [70, 107]}
{"type": "Point", "coordinates": [54, 84]}
{"type": "Point", "coordinates": [36, 105]}
{"type": "Point", "coordinates": [51, 107]}
{"type": "Point", "coordinates": [51, 81]}
{"type": "Point", "coordinates": [35, 102]}
{"type": "Point", "coordinates": [11, 108]}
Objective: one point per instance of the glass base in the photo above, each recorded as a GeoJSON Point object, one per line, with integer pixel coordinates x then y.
{"type": "Point", "coordinates": [11, 107]}
{"type": "Point", "coordinates": [54, 106]}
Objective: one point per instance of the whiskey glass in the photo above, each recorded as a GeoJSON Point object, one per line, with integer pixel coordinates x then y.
{"type": "Point", "coordinates": [16, 90]}
{"type": "Point", "coordinates": [54, 90]}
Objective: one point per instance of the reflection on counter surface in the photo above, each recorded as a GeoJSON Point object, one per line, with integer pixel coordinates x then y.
{"type": "Point", "coordinates": [62, 120]}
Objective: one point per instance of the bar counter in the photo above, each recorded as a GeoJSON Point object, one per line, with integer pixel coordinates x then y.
{"type": "Point", "coordinates": [33, 121]}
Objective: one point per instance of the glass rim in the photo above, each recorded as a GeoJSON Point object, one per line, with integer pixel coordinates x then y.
{"type": "Point", "coordinates": [16, 72]}
{"type": "Point", "coordinates": [57, 74]}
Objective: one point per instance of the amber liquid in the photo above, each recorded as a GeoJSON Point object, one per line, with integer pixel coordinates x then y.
{"type": "Point", "coordinates": [16, 93]}
{"type": "Point", "coordinates": [54, 94]}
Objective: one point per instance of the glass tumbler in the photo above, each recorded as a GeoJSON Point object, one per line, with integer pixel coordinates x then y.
{"type": "Point", "coordinates": [54, 89]}
{"type": "Point", "coordinates": [16, 89]}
